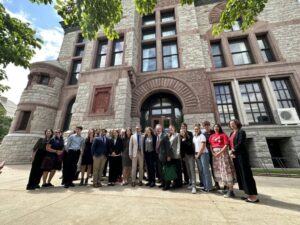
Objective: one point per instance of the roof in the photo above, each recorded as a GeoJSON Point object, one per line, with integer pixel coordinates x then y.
{"type": "Point", "coordinates": [9, 106]}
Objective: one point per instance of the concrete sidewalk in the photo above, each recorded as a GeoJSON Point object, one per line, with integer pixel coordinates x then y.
{"type": "Point", "coordinates": [279, 204]}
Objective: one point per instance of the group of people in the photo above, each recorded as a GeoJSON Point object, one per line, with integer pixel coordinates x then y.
{"type": "Point", "coordinates": [170, 158]}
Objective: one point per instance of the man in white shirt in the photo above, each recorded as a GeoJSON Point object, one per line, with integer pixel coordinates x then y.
{"type": "Point", "coordinates": [202, 158]}
{"type": "Point", "coordinates": [136, 154]}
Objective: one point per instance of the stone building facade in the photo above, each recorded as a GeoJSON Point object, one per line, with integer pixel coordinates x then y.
{"type": "Point", "coordinates": [167, 68]}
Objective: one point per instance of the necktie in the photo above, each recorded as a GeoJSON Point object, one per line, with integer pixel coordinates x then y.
{"type": "Point", "coordinates": [157, 143]}
{"type": "Point", "coordinates": [138, 140]}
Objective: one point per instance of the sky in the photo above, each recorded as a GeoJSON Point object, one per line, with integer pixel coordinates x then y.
{"type": "Point", "coordinates": [43, 19]}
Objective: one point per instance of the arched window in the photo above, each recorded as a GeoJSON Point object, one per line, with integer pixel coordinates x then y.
{"type": "Point", "coordinates": [68, 115]}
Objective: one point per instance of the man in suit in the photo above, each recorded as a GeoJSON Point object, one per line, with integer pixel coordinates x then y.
{"type": "Point", "coordinates": [163, 149]}
{"type": "Point", "coordinates": [100, 150]}
{"type": "Point", "coordinates": [136, 154]}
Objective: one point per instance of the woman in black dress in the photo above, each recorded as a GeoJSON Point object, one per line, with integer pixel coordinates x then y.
{"type": "Point", "coordinates": [87, 158]}
{"type": "Point", "coordinates": [126, 161]}
{"type": "Point", "coordinates": [241, 161]}
{"type": "Point", "coordinates": [115, 159]}
{"type": "Point", "coordinates": [38, 154]}
{"type": "Point", "coordinates": [53, 158]}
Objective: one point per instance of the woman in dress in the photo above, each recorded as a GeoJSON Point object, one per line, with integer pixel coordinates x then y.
{"type": "Point", "coordinates": [53, 158]}
{"type": "Point", "coordinates": [222, 164]}
{"type": "Point", "coordinates": [87, 158]}
{"type": "Point", "coordinates": [241, 161]}
{"type": "Point", "coordinates": [38, 154]}
{"type": "Point", "coordinates": [115, 159]}
{"type": "Point", "coordinates": [149, 151]}
{"type": "Point", "coordinates": [188, 153]}
{"type": "Point", "coordinates": [126, 161]}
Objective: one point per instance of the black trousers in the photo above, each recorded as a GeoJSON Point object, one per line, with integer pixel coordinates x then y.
{"type": "Point", "coordinates": [150, 158]}
{"type": "Point", "coordinates": [158, 167]}
{"type": "Point", "coordinates": [178, 181]}
{"type": "Point", "coordinates": [105, 168]}
{"type": "Point", "coordinates": [70, 166]}
{"type": "Point", "coordinates": [184, 170]}
{"type": "Point", "coordinates": [244, 174]}
{"type": "Point", "coordinates": [115, 164]}
{"type": "Point", "coordinates": [36, 172]}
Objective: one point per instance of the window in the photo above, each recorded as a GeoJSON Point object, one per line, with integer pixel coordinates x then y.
{"type": "Point", "coordinates": [168, 31]}
{"type": "Point", "coordinates": [284, 93]}
{"type": "Point", "coordinates": [225, 103]}
{"type": "Point", "coordinates": [240, 52]}
{"type": "Point", "coordinates": [149, 34]}
{"type": "Point", "coordinates": [79, 51]}
{"type": "Point", "coordinates": [117, 57]}
{"type": "Point", "coordinates": [68, 115]}
{"type": "Point", "coordinates": [75, 72]}
{"type": "Point", "coordinates": [149, 20]}
{"type": "Point", "coordinates": [170, 55]}
{"type": "Point", "coordinates": [254, 102]}
{"type": "Point", "coordinates": [24, 119]}
{"type": "Point", "coordinates": [237, 25]}
{"type": "Point", "coordinates": [101, 54]}
{"type": "Point", "coordinates": [149, 58]}
{"type": "Point", "coordinates": [217, 55]}
{"type": "Point", "coordinates": [265, 48]}
{"type": "Point", "coordinates": [80, 39]}
{"type": "Point", "coordinates": [167, 16]}
{"type": "Point", "coordinates": [44, 79]}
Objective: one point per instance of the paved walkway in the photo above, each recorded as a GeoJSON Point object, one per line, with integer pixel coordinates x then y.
{"type": "Point", "coordinates": [280, 204]}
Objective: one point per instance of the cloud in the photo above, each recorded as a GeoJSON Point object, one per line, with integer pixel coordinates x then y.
{"type": "Point", "coordinates": [17, 76]}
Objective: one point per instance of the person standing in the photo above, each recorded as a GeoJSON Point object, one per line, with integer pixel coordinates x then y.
{"type": "Point", "coordinates": [222, 164]}
{"type": "Point", "coordinates": [74, 147]}
{"type": "Point", "coordinates": [87, 158]}
{"type": "Point", "coordinates": [202, 158]}
{"type": "Point", "coordinates": [100, 150]}
{"type": "Point", "coordinates": [188, 153]}
{"type": "Point", "coordinates": [126, 161]}
{"type": "Point", "coordinates": [149, 145]}
{"type": "Point", "coordinates": [184, 127]}
{"type": "Point", "coordinates": [174, 139]}
{"type": "Point", "coordinates": [241, 161]}
{"type": "Point", "coordinates": [137, 156]}
{"type": "Point", "coordinates": [207, 133]}
{"type": "Point", "coordinates": [38, 154]}
{"type": "Point", "coordinates": [53, 158]}
{"type": "Point", "coordinates": [115, 159]}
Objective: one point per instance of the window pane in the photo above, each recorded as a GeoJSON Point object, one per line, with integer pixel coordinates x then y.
{"type": "Point", "coordinates": [102, 48]}
{"type": "Point", "coordinates": [118, 46]}
{"type": "Point", "coordinates": [216, 49]}
{"type": "Point", "coordinates": [149, 52]}
{"type": "Point", "coordinates": [170, 62]}
{"type": "Point", "coordinates": [168, 31]}
{"type": "Point", "coordinates": [166, 111]}
{"type": "Point", "coordinates": [25, 115]}
{"type": "Point", "coordinates": [156, 111]}
{"type": "Point", "coordinates": [238, 46]}
{"type": "Point", "coordinates": [79, 51]}
{"type": "Point", "coordinates": [166, 102]}
{"type": "Point", "coordinates": [241, 58]}
{"type": "Point", "coordinates": [149, 34]}
{"type": "Point", "coordinates": [76, 67]}
{"type": "Point", "coordinates": [149, 19]}
{"type": "Point", "coordinates": [167, 16]}
{"type": "Point", "coordinates": [267, 55]}
{"type": "Point", "coordinates": [118, 59]}
{"type": "Point", "coordinates": [80, 39]}
{"type": "Point", "coordinates": [218, 61]}
{"type": "Point", "coordinates": [100, 61]}
{"type": "Point", "coordinates": [149, 65]}
{"type": "Point", "coordinates": [169, 49]}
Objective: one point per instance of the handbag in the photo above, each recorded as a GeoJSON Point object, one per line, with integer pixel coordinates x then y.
{"type": "Point", "coordinates": [169, 172]}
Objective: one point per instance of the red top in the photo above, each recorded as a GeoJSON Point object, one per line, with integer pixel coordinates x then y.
{"type": "Point", "coordinates": [231, 140]}
{"type": "Point", "coordinates": [218, 140]}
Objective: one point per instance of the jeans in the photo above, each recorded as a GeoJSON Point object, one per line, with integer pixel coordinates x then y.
{"type": "Point", "coordinates": [190, 166]}
{"type": "Point", "coordinates": [150, 161]}
{"type": "Point", "coordinates": [203, 164]}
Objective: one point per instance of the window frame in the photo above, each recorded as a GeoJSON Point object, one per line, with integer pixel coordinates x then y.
{"type": "Point", "coordinates": [20, 125]}
{"type": "Point", "coordinates": [170, 55]}
{"type": "Point", "coordinates": [249, 50]}
{"type": "Point", "coordinates": [269, 48]}
{"type": "Point", "coordinates": [219, 55]}
{"type": "Point", "coordinates": [142, 56]}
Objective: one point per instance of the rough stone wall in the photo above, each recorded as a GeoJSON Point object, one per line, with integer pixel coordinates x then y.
{"type": "Point", "coordinates": [43, 118]}
{"type": "Point", "coordinates": [189, 38]}
{"type": "Point", "coordinates": [192, 119]}
{"type": "Point", "coordinates": [67, 49]}
{"type": "Point", "coordinates": [41, 94]}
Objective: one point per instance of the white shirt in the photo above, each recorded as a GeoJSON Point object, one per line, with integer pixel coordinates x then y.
{"type": "Point", "coordinates": [197, 142]}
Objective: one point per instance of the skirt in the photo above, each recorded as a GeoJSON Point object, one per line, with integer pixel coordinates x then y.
{"type": "Point", "coordinates": [223, 168]}
{"type": "Point", "coordinates": [51, 162]}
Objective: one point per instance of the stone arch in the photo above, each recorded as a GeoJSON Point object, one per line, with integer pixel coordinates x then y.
{"type": "Point", "coordinates": [215, 13]}
{"type": "Point", "coordinates": [186, 96]}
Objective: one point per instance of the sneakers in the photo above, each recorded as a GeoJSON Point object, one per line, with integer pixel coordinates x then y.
{"type": "Point", "coordinates": [229, 194]}
{"type": "Point", "coordinates": [194, 190]}
{"type": "Point", "coordinates": [190, 187]}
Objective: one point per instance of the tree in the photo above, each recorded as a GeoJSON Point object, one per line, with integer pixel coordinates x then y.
{"type": "Point", "coordinates": [5, 122]}
{"type": "Point", "coordinates": [18, 41]}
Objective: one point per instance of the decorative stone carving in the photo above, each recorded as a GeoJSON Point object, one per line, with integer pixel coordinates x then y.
{"type": "Point", "coordinates": [101, 100]}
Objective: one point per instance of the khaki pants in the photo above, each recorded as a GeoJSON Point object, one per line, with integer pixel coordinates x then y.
{"type": "Point", "coordinates": [138, 160]}
{"type": "Point", "coordinates": [98, 166]}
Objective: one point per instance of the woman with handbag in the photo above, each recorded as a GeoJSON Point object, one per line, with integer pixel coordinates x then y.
{"type": "Point", "coordinates": [38, 154]}
{"type": "Point", "coordinates": [53, 158]}
{"type": "Point", "coordinates": [222, 165]}
{"type": "Point", "coordinates": [241, 162]}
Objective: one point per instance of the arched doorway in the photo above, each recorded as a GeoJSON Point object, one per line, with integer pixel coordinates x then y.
{"type": "Point", "coordinates": [161, 108]}
{"type": "Point", "coordinates": [68, 115]}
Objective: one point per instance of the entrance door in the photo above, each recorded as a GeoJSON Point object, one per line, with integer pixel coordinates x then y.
{"type": "Point", "coordinates": [163, 120]}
